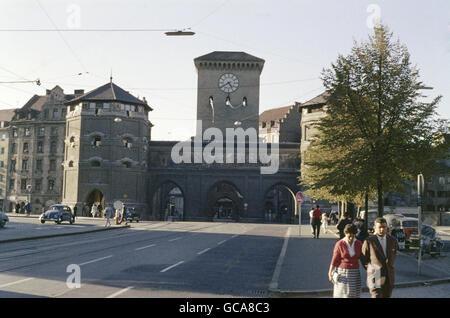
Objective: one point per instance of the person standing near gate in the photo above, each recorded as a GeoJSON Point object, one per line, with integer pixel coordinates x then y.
{"type": "Point", "coordinates": [317, 216]}
{"type": "Point", "coordinates": [108, 214]}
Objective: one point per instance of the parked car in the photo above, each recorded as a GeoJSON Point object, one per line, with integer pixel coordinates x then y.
{"type": "Point", "coordinates": [131, 215]}
{"type": "Point", "coordinates": [3, 219]}
{"type": "Point", "coordinates": [399, 221]}
{"type": "Point", "coordinates": [57, 213]}
{"type": "Point", "coordinates": [431, 243]}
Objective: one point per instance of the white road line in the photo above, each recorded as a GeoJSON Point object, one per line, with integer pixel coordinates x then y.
{"type": "Point", "coordinates": [172, 266]}
{"type": "Point", "coordinates": [141, 248]}
{"type": "Point", "coordinates": [276, 273]}
{"type": "Point", "coordinates": [16, 282]}
{"type": "Point", "coordinates": [236, 235]}
{"type": "Point", "coordinates": [221, 242]}
{"type": "Point", "coordinates": [120, 292]}
{"type": "Point", "coordinates": [204, 251]}
{"type": "Point", "coordinates": [177, 238]}
{"type": "Point", "coordinates": [95, 260]}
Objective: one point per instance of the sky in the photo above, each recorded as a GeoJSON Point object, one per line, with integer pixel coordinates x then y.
{"type": "Point", "coordinates": [296, 38]}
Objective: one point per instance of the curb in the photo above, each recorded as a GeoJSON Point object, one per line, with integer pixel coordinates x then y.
{"type": "Point", "coordinates": [277, 293]}
{"type": "Point", "coordinates": [62, 234]}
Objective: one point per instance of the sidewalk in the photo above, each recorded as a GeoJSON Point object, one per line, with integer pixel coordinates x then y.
{"type": "Point", "coordinates": [302, 268]}
{"type": "Point", "coordinates": [22, 227]}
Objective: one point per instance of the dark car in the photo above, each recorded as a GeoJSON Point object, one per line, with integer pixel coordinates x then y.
{"type": "Point", "coordinates": [131, 215]}
{"type": "Point", "coordinates": [57, 213]}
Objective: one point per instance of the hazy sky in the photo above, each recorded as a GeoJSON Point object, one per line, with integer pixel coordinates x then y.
{"type": "Point", "coordinates": [296, 38]}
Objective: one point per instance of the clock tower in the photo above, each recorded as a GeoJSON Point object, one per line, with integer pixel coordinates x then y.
{"type": "Point", "coordinates": [228, 90]}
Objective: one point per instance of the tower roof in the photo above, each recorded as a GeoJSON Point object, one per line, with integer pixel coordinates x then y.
{"type": "Point", "coordinates": [229, 56]}
{"type": "Point", "coordinates": [109, 92]}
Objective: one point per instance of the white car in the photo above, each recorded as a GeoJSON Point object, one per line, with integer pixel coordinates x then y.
{"type": "Point", "coordinates": [3, 219]}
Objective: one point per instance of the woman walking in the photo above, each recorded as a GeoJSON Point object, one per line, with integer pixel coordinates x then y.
{"type": "Point", "coordinates": [344, 268]}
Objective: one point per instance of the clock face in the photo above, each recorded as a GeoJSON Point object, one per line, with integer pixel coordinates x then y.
{"type": "Point", "coordinates": [228, 83]}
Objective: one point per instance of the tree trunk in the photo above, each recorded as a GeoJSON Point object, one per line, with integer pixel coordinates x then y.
{"type": "Point", "coordinates": [380, 197]}
{"type": "Point", "coordinates": [366, 208]}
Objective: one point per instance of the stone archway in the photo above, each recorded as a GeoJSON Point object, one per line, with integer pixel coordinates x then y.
{"type": "Point", "coordinates": [280, 205]}
{"type": "Point", "coordinates": [224, 201]}
{"type": "Point", "coordinates": [96, 197]}
{"type": "Point", "coordinates": [168, 202]}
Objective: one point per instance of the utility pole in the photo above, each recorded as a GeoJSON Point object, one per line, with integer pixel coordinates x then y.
{"type": "Point", "coordinates": [420, 191]}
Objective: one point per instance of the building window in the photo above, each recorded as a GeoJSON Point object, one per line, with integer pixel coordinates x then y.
{"type": "Point", "coordinates": [13, 165]}
{"type": "Point", "coordinates": [38, 185]}
{"type": "Point", "coordinates": [51, 185]}
{"type": "Point", "coordinates": [55, 113]}
{"type": "Point", "coordinates": [53, 147]}
{"type": "Point", "coordinates": [46, 113]}
{"type": "Point", "coordinates": [126, 164]}
{"type": "Point", "coordinates": [95, 163]}
{"type": "Point", "coordinates": [14, 148]}
{"type": "Point", "coordinates": [126, 142]}
{"type": "Point", "coordinates": [24, 164]}
{"type": "Point", "coordinates": [15, 133]}
{"type": "Point", "coordinates": [40, 147]}
{"type": "Point", "coordinates": [11, 184]}
{"type": "Point", "coordinates": [97, 141]}
{"type": "Point", "coordinates": [63, 112]}
{"type": "Point", "coordinates": [23, 184]}
{"type": "Point", "coordinates": [52, 165]}
{"type": "Point", "coordinates": [39, 164]}
{"type": "Point", "coordinates": [25, 147]}
{"type": "Point", "coordinates": [70, 163]}
{"type": "Point", "coordinates": [54, 131]}
{"type": "Point", "coordinates": [27, 132]}
{"type": "Point", "coordinates": [2, 165]}
{"type": "Point", "coordinates": [41, 132]}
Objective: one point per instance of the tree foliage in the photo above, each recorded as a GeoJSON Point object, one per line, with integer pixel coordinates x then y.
{"type": "Point", "coordinates": [377, 131]}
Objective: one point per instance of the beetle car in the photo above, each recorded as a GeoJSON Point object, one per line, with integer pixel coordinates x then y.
{"type": "Point", "coordinates": [57, 213]}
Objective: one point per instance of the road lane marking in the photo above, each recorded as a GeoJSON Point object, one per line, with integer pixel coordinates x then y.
{"type": "Point", "coordinates": [204, 251]}
{"type": "Point", "coordinates": [221, 242]}
{"type": "Point", "coordinates": [172, 266]}
{"type": "Point", "coordinates": [16, 282]}
{"type": "Point", "coordinates": [141, 248]}
{"type": "Point", "coordinates": [177, 238]}
{"type": "Point", "coordinates": [276, 274]}
{"type": "Point", "coordinates": [120, 292]}
{"type": "Point", "coordinates": [236, 235]}
{"type": "Point", "coordinates": [96, 260]}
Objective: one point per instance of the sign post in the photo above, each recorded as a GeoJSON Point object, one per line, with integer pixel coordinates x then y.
{"type": "Point", "coordinates": [299, 197]}
{"type": "Point", "coordinates": [420, 185]}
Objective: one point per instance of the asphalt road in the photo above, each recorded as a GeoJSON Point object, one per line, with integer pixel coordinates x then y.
{"type": "Point", "coordinates": [177, 259]}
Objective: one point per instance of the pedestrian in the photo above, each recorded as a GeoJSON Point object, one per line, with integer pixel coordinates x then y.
{"type": "Point", "coordinates": [94, 210]}
{"type": "Point", "coordinates": [100, 210]}
{"type": "Point", "coordinates": [378, 257]}
{"type": "Point", "coordinates": [28, 208]}
{"type": "Point", "coordinates": [317, 217]}
{"type": "Point", "coordinates": [361, 234]}
{"type": "Point", "coordinates": [17, 207]}
{"type": "Point", "coordinates": [325, 222]}
{"type": "Point", "coordinates": [311, 212]}
{"type": "Point", "coordinates": [108, 214]}
{"type": "Point", "coordinates": [74, 212]}
{"type": "Point", "coordinates": [124, 214]}
{"type": "Point", "coordinates": [333, 216]}
{"type": "Point", "coordinates": [344, 268]}
{"type": "Point", "coordinates": [346, 219]}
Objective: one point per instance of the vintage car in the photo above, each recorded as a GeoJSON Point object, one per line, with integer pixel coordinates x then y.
{"type": "Point", "coordinates": [57, 213]}
{"type": "Point", "coordinates": [3, 219]}
{"type": "Point", "coordinates": [399, 221]}
{"type": "Point", "coordinates": [131, 215]}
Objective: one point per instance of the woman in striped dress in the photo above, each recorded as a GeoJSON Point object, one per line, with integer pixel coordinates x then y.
{"type": "Point", "coordinates": [344, 268]}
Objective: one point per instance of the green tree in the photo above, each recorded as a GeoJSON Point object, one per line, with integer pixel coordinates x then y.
{"type": "Point", "coordinates": [377, 131]}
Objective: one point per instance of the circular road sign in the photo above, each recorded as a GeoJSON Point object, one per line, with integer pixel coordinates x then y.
{"type": "Point", "coordinates": [299, 196]}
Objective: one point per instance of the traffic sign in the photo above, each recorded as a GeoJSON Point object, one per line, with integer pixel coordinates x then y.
{"type": "Point", "coordinates": [299, 197]}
